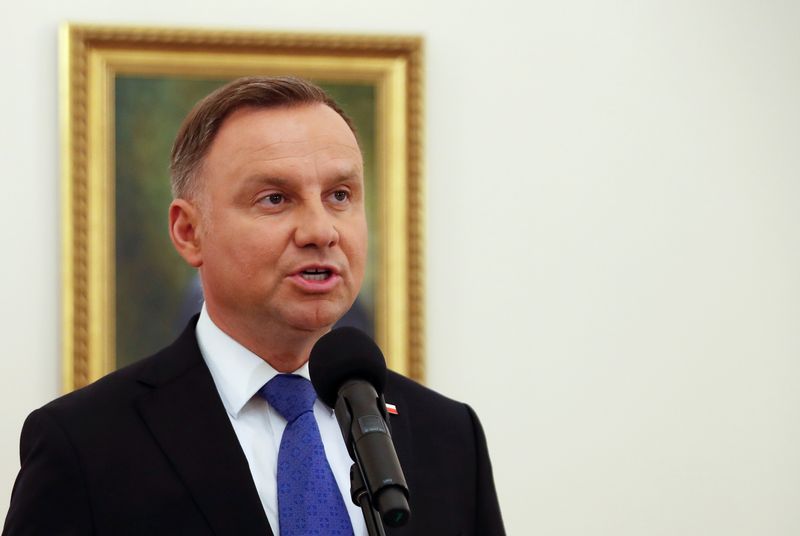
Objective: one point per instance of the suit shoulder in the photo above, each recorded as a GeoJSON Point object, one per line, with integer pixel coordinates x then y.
{"type": "Point", "coordinates": [106, 393]}
{"type": "Point", "coordinates": [120, 386]}
{"type": "Point", "coordinates": [422, 398]}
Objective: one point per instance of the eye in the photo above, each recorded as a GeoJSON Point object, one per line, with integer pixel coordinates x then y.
{"type": "Point", "coordinates": [273, 199]}
{"type": "Point", "coordinates": [341, 195]}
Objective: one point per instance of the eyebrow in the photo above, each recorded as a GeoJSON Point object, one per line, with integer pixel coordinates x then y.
{"type": "Point", "coordinates": [266, 180]}
{"type": "Point", "coordinates": [348, 176]}
{"type": "Point", "coordinates": [259, 179]}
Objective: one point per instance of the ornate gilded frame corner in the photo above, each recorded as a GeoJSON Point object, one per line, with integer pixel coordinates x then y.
{"type": "Point", "coordinates": [91, 56]}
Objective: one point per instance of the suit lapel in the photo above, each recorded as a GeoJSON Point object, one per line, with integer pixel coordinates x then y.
{"type": "Point", "coordinates": [185, 415]}
{"type": "Point", "coordinates": [400, 429]}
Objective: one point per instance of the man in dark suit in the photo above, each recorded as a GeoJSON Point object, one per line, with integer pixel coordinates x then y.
{"type": "Point", "coordinates": [269, 206]}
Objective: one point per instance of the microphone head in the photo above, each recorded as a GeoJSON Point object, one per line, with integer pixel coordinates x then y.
{"type": "Point", "coordinates": [341, 355]}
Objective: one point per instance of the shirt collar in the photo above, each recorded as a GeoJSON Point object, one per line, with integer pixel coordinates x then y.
{"type": "Point", "coordinates": [237, 372]}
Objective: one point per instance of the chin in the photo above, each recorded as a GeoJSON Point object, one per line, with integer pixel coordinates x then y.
{"type": "Point", "coordinates": [320, 318]}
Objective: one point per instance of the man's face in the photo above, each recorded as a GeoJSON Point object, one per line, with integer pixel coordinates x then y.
{"type": "Point", "coordinates": [283, 232]}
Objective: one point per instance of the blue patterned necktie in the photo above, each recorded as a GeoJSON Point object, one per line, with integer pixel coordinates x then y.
{"type": "Point", "coordinates": [309, 501]}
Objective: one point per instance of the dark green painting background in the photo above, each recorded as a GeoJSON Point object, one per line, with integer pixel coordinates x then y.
{"type": "Point", "coordinates": [153, 282]}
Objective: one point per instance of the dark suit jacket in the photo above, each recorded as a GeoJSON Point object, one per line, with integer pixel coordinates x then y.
{"type": "Point", "coordinates": [149, 450]}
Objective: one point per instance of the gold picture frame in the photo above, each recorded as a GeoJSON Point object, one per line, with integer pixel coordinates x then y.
{"type": "Point", "coordinates": [96, 59]}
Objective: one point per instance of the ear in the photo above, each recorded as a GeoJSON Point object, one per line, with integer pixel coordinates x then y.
{"type": "Point", "coordinates": [184, 230]}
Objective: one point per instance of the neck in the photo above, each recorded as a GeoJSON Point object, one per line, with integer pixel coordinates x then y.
{"type": "Point", "coordinates": [285, 350]}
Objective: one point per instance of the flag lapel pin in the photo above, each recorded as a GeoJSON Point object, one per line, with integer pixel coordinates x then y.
{"type": "Point", "coordinates": [391, 408]}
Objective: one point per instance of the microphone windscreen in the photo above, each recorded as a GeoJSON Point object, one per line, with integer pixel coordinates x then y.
{"type": "Point", "coordinates": [341, 355]}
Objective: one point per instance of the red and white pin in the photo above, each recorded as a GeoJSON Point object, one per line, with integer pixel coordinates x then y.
{"type": "Point", "coordinates": [391, 408]}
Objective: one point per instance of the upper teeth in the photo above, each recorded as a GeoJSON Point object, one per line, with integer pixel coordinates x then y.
{"type": "Point", "coordinates": [314, 274]}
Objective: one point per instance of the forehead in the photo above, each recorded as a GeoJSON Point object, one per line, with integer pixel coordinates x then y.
{"type": "Point", "coordinates": [313, 130]}
{"type": "Point", "coordinates": [296, 146]}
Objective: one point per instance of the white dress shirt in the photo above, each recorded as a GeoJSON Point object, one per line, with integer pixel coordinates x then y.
{"type": "Point", "coordinates": [239, 374]}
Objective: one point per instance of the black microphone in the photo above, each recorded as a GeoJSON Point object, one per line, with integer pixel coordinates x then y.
{"type": "Point", "coordinates": [348, 372]}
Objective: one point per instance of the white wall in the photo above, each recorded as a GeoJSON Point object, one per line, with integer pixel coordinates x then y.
{"type": "Point", "coordinates": [613, 243]}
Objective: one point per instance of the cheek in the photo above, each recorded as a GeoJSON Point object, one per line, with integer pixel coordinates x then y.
{"type": "Point", "coordinates": [258, 260]}
{"type": "Point", "coordinates": [358, 253]}
{"type": "Point", "coordinates": [248, 250]}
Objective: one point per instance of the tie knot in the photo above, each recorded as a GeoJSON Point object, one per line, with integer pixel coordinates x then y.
{"type": "Point", "coordinates": [290, 395]}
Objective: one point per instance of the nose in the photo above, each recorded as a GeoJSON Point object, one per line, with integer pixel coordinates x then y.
{"type": "Point", "coordinates": [315, 227]}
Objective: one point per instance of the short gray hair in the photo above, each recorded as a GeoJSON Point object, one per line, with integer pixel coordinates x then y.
{"type": "Point", "coordinates": [201, 125]}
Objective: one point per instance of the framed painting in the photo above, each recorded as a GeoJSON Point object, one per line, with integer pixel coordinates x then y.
{"type": "Point", "coordinates": [125, 91]}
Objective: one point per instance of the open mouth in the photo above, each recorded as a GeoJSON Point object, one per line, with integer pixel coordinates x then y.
{"type": "Point", "coordinates": [316, 274]}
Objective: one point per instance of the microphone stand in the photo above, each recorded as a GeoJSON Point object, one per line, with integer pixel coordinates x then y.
{"type": "Point", "coordinates": [360, 496]}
